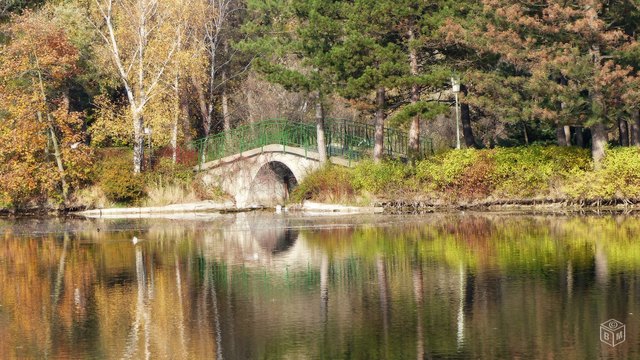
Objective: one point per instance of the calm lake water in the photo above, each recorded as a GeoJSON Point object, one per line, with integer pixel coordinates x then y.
{"type": "Point", "coordinates": [266, 286]}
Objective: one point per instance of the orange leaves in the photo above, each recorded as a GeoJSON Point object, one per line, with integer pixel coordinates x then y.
{"type": "Point", "coordinates": [38, 45]}
{"type": "Point", "coordinates": [566, 54]}
{"type": "Point", "coordinates": [36, 66]}
{"type": "Point", "coordinates": [553, 22]}
{"type": "Point", "coordinates": [451, 31]}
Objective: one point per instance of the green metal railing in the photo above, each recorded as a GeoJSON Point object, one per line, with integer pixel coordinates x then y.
{"type": "Point", "coordinates": [347, 139]}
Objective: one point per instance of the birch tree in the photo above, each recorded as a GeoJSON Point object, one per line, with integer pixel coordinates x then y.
{"type": "Point", "coordinates": [216, 29]}
{"type": "Point", "coordinates": [141, 37]}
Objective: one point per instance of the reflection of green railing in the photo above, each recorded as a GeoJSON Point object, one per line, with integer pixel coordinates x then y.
{"type": "Point", "coordinates": [346, 139]}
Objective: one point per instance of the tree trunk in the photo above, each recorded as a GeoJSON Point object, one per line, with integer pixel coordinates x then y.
{"type": "Point", "coordinates": [623, 127]}
{"type": "Point", "coordinates": [138, 141]}
{"type": "Point", "coordinates": [186, 123]}
{"type": "Point", "coordinates": [567, 135]}
{"type": "Point", "coordinates": [635, 127]}
{"type": "Point", "coordinates": [52, 136]}
{"type": "Point", "coordinates": [579, 137]}
{"type": "Point", "coordinates": [598, 143]}
{"type": "Point", "coordinates": [202, 107]}
{"type": "Point", "coordinates": [562, 140]}
{"type": "Point", "coordinates": [250, 106]}
{"type": "Point", "coordinates": [320, 135]}
{"type": "Point", "coordinates": [66, 100]}
{"type": "Point", "coordinates": [465, 118]}
{"type": "Point", "coordinates": [225, 103]}
{"type": "Point", "coordinates": [176, 119]}
{"type": "Point", "coordinates": [525, 133]}
{"type": "Point", "coordinates": [414, 131]}
{"type": "Point", "coordinates": [174, 138]}
{"type": "Point", "coordinates": [598, 131]}
{"type": "Point", "coordinates": [414, 139]}
{"type": "Point", "coordinates": [226, 118]}
{"type": "Point", "coordinates": [58, 156]}
{"type": "Point", "coordinates": [378, 147]}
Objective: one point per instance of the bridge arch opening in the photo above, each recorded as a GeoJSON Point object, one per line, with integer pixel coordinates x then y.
{"type": "Point", "coordinates": [277, 240]}
{"type": "Point", "coordinates": [272, 184]}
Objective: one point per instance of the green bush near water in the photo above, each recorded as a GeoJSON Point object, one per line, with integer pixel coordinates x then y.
{"type": "Point", "coordinates": [330, 183]}
{"type": "Point", "coordinates": [166, 183]}
{"type": "Point", "coordinates": [536, 170]}
{"type": "Point", "coordinates": [114, 175]}
{"type": "Point", "coordinates": [446, 168]}
{"type": "Point", "coordinates": [500, 173]}
{"type": "Point", "coordinates": [383, 177]}
{"type": "Point", "coordinates": [618, 177]}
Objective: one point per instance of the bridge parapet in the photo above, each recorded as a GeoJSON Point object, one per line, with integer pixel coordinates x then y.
{"type": "Point", "coordinates": [258, 164]}
{"type": "Point", "coordinates": [347, 139]}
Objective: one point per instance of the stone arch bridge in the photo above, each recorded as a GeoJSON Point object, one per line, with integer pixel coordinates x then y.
{"type": "Point", "coordinates": [260, 163]}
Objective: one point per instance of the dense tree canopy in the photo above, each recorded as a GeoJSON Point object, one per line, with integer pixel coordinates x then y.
{"type": "Point", "coordinates": [531, 72]}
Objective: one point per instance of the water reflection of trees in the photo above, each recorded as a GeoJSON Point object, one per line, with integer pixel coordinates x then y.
{"type": "Point", "coordinates": [438, 287]}
{"type": "Point", "coordinates": [540, 280]}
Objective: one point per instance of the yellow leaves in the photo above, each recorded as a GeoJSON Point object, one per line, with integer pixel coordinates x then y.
{"type": "Point", "coordinates": [37, 45]}
{"type": "Point", "coordinates": [35, 68]}
{"type": "Point", "coordinates": [112, 125]}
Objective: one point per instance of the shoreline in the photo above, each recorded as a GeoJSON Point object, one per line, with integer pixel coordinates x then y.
{"type": "Point", "coordinates": [400, 206]}
{"type": "Point", "coordinates": [525, 204]}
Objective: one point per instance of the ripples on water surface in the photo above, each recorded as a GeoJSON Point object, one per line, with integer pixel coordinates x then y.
{"type": "Point", "coordinates": [251, 286]}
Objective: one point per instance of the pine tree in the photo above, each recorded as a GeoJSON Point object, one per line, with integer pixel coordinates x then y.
{"type": "Point", "coordinates": [294, 40]}
{"type": "Point", "coordinates": [369, 60]}
{"type": "Point", "coordinates": [564, 54]}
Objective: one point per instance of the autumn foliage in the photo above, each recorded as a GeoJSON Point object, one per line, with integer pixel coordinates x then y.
{"type": "Point", "coordinates": [43, 154]}
{"type": "Point", "coordinates": [76, 77]}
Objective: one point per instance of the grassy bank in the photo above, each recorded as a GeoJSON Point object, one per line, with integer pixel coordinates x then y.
{"type": "Point", "coordinates": [466, 176]}
{"type": "Point", "coordinates": [113, 184]}
{"type": "Point", "coordinates": [514, 175]}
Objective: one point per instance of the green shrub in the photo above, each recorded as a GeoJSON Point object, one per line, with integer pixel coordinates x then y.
{"type": "Point", "coordinates": [622, 167]}
{"type": "Point", "coordinates": [330, 183]}
{"type": "Point", "coordinates": [165, 172]}
{"type": "Point", "coordinates": [385, 176]}
{"type": "Point", "coordinates": [115, 177]}
{"type": "Point", "coordinates": [531, 170]}
{"type": "Point", "coordinates": [477, 180]}
{"type": "Point", "coordinates": [501, 172]}
{"type": "Point", "coordinates": [446, 169]}
{"type": "Point", "coordinates": [619, 177]}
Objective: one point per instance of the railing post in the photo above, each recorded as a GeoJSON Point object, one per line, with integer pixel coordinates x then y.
{"type": "Point", "coordinates": [345, 144]}
{"type": "Point", "coordinates": [200, 157]}
{"type": "Point", "coordinates": [274, 131]}
{"type": "Point", "coordinates": [282, 139]}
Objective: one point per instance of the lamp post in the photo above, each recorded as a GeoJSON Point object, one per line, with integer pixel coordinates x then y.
{"type": "Point", "coordinates": [455, 88]}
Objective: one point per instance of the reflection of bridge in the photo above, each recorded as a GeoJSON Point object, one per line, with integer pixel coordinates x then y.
{"type": "Point", "coordinates": [256, 241]}
{"type": "Point", "coordinates": [259, 163]}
